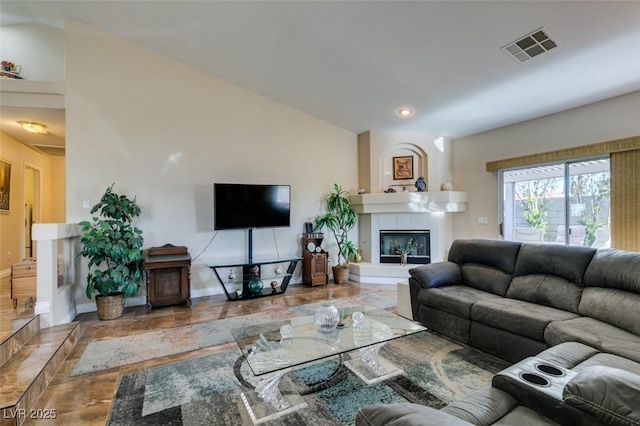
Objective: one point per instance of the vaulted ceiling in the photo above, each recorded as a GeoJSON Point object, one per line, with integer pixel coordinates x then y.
{"type": "Point", "coordinates": [356, 63]}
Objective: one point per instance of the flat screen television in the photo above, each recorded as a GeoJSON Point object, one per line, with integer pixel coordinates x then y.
{"type": "Point", "coordinates": [247, 206]}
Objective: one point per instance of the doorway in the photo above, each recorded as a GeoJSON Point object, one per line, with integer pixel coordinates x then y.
{"type": "Point", "coordinates": [31, 207]}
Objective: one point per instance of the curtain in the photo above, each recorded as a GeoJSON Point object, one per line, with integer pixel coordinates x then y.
{"type": "Point", "coordinates": [625, 200]}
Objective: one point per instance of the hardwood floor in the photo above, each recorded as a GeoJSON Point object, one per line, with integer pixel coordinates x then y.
{"type": "Point", "coordinates": [86, 399]}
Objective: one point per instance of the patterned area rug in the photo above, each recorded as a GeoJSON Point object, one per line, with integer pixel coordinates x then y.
{"type": "Point", "coordinates": [207, 390]}
{"type": "Point", "coordinates": [117, 352]}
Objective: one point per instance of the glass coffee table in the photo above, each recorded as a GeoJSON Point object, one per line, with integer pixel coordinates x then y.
{"type": "Point", "coordinates": [275, 348]}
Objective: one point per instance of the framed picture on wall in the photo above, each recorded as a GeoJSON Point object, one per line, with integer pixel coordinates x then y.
{"type": "Point", "coordinates": [403, 167]}
{"type": "Point", "coordinates": [5, 186]}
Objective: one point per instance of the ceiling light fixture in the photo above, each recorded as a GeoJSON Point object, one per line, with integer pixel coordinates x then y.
{"type": "Point", "coordinates": [33, 127]}
{"type": "Point", "coordinates": [405, 112]}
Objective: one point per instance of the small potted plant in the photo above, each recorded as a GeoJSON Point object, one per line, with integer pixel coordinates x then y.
{"type": "Point", "coordinates": [340, 218]}
{"type": "Point", "coordinates": [405, 249]}
{"type": "Point", "coordinates": [114, 249]}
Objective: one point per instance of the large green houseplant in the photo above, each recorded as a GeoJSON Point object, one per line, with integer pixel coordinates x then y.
{"type": "Point", "coordinates": [114, 249]}
{"type": "Point", "coordinates": [339, 219]}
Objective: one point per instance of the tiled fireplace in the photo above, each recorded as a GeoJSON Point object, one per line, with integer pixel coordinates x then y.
{"type": "Point", "coordinates": [392, 242]}
{"type": "Point", "coordinates": [387, 201]}
{"type": "Point", "coordinates": [428, 214]}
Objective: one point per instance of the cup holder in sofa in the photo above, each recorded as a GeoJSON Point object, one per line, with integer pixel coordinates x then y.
{"type": "Point", "coordinates": [550, 370]}
{"type": "Point", "coordinates": [534, 379]}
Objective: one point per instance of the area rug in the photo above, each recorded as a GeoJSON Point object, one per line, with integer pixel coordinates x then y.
{"type": "Point", "coordinates": [207, 391]}
{"type": "Point", "coordinates": [117, 352]}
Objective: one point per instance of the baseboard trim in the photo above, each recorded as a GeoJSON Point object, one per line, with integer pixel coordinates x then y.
{"type": "Point", "coordinates": [90, 306]}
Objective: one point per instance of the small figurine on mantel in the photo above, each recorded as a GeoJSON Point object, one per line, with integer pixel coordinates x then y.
{"type": "Point", "coordinates": [421, 184]}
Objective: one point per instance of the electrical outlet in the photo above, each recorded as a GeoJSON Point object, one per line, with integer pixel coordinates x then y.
{"type": "Point", "coordinates": [483, 220]}
{"type": "Point", "coordinates": [86, 204]}
{"type": "Point", "coordinates": [8, 255]}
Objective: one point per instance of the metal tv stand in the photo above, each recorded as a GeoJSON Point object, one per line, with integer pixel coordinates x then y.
{"type": "Point", "coordinates": [244, 271]}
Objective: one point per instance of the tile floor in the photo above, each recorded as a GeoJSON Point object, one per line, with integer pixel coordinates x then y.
{"type": "Point", "coordinates": [86, 399]}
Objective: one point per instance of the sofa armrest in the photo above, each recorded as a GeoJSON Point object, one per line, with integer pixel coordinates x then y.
{"type": "Point", "coordinates": [405, 414]}
{"type": "Point", "coordinates": [432, 275]}
{"type": "Point", "coordinates": [436, 274]}
{"type": "Point", "coordinates": [609, 394]}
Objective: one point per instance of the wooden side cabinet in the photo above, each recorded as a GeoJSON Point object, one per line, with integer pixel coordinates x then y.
{"type": "Point", "coordinates": [315, 261]}
{"type": "Point", "coordinates": [23, 280]}
{"type": "Point", "coordinates": [168, 270]}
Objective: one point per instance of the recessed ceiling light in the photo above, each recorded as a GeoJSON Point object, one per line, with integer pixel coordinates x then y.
{"type": "Point", "coordinates": [405, 112]}
{"type": "Point", "coordinates": [33, 127]}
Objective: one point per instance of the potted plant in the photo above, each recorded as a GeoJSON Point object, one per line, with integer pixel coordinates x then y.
{"type": "Point", "coordinates": [114, 249]}
{"type": "Point", "coordinates": [339, 220]}
{"type": "Point", "coordinates": [404, 249]}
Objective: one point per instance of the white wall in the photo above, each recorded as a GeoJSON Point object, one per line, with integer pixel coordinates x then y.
{"type": "Point", "coordinates": [38, 49]}
{"type": "Point", "coordinates": [598, 122]}
{"type": "Point", "coordinates": [164, 132]}
{"type": "Point", "coordinates": [378, 148]}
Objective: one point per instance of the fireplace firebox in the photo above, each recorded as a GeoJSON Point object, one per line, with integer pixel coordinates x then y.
{"type": "Point", "coordinates": [393, 241]}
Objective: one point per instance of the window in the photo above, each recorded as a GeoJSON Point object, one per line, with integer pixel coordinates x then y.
{"type": "Point", "coordinates": [562, 203]}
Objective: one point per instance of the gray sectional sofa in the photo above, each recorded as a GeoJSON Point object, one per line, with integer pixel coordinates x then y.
{"type": "Point", "coordinates": [568, 317]}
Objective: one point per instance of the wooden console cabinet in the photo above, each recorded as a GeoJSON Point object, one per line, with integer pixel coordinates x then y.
{"type": "Point", "coordinates": [315, 261]}
{"type": "Point", "coordinates": [23, 280]}
{"type": "Point", "coordinates": [168, 270]}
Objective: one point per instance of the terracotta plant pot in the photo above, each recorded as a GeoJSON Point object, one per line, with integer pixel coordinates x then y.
{"type": "Point", "coordinates": [340, 274]}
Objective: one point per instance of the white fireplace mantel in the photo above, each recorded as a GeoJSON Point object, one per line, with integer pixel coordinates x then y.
{"type": "Point", "coordinates": [402, 211]}
{"type": "Point", "coordinates": [410, 202]}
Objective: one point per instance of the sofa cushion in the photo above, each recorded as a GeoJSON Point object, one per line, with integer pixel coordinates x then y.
{"type": "Point", "coordinates": [568, 354]}
{"type": "Point", "coordinates": [523, 416]}
{"type": "Point", "coordinates": [456, 300]}
{"type": "Point", "coordinates": [616, 307]}
{"type": "Point", "coordinates": [614, 269]}
{"type": "Point", "coordinates": [568, 262]}
{"type": "Point", "coordinates": [405, 414]}
{"type": "Point", "coordinates": [497, 254]}
{"type": "Point", "coordinates": [597, 334]}
{"type": "Point", "coordinates": [487, 265]}
{"type": "Point", "coordinates": [576, 356]}
{"type": "Point", "coordinates": [550, 275]}
{"type": "Point", "coordinates": [486, 279]}
{"type": "Point", "coordinates": [547, 290]}
{"type": "Point", "coordinates": [482, 407]}
{"type": "Point", "coordinates": [609, 360]}
{"type": "Point", "coordinates": [519, 317]}
{"type": "Point", "coordinates": [608, 394]}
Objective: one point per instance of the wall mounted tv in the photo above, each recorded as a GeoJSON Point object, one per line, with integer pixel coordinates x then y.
{"type": "Point", "coordinates": [247, 206]}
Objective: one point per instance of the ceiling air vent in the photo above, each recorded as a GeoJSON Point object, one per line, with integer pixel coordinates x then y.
{"type": "Point", "coordinates": [533, 44]}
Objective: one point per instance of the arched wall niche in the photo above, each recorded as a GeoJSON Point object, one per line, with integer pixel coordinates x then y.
{"type": "Point", "coordinates": [420, 166]}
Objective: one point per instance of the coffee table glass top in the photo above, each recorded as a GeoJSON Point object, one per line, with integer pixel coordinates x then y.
{"type": "Point", "coordinates": [267, 348]}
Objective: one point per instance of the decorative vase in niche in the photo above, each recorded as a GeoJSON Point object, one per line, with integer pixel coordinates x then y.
{"type": "Point", "coordinates": [255, 285]}
{"type": "Point", "coordinates": [404, 257]}
{"type": "Point", "coordinates": [326, 318]}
